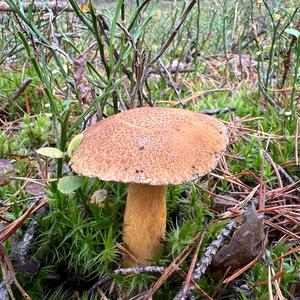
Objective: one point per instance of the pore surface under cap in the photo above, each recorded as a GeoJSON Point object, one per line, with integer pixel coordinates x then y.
{"type": "Point", "coordinates": [157, 146]}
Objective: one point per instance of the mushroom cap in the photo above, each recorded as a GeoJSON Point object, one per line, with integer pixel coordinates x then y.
{"type": "Point", "coordinates": [156, 146]}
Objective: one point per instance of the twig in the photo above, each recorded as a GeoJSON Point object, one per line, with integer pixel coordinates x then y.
{"type": "Point", "coordinates": [282, 229]}
{"type": "Point", "coordinates": [53, 5]}
{"type": "Point", "coordinates": [9, 274]}
{"type": "Point", "coordinates": [217, 110]}
{"type": "Point", "coordinates": [128, 253]}
{"type": "Point", "coordinates": [21, 88]}
{"type": "Point", "coordinates": [270, 283]}
{"type": "Point", "coordinates": [208, 256]}
{"type": "Point", "coordinates": [171, 81]}
{"type": "Point", "coordinates": [19, 253]}
{"type": "Point", "coordinates": [73, 35]}
{"type": "Point", "coordinates": [13, 51]}
{"type": "Point", "coordinates": [12, 227]}
{"type": "Point", "coordinates": [103, 26]}
{"type": "Point", "coordinates": [277, 287]}
{"type": "Point", "coordinates": [275, 167]}
{"type": "Point", "coordinates": [171, 70]}
{"type": "Point", "coordinates": [195, 285]}
{"type": "Point", "coordinates": [197, 95]}
{"type": "Point", "coordinates": [139, 270]}
{"type": "Point", "coordinates": [287, 60]}
{"type": "Point", "coordinates": [167, 43]}
{"type": "Point", "coordinates": [186, 285]}
{"type": "Point", "coordinates": [173, 34]}
{"type": "Point", "coordinates": [252, 39]}
{"type": "Point", "coordinates": [212, 250]}
{"type": "Point", "coordinates": [281, 170]}
{"type": "Point", "coordinates": [174, 266]}
{"type": "Point", "coordinates": [5, 286]}
{"type": "Point", "coordinates": [242, 203]}
{"type": "Point", "coordinates": [290, 252]}
{"type": "Point", "coordinates": [205, 93]}
{"type": "Point", "coordinates": [101, 281]}
{"type": "Point", "coordinates": [103, 296]}
{"type": "Point", "coordinates": [266, 95]}
{"type": "Point", "coordinates": [286, 175]}
{"type": "Point", "coordinates": [278, 275]}
{"type": "Point", "coordinates": [19, 48]}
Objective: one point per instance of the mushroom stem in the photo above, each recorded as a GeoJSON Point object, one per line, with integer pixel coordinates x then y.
{"type": "Point", "coordinates": [144, 222]}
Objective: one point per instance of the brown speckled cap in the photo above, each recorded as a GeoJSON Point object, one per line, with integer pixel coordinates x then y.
{"type": "Point", "coordinates": [157, 146]}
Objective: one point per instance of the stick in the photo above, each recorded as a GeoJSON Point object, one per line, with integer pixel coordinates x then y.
{"type": "Point", "coordinates": [19, 253]}
{"type": "Point", "coordinates": [10, 275]}
{"type": "Point", "coordinates": [139, 270]}
{"type": "Point", "coordinates": [208, 256]}
{"type": "Point", "coordinates": [171, 81]}
{"type": "Point", "coordinates": [217, 110]}
{"type": "Point", "coordinates": [165, 46]}
{"type": "Point", "coordinates": [101, 281]}
{"type": "Point", "coordinates": [171, 71]}
{"type": "Point", "coordinates": [281, 170]}
{"type": "Point", "coordinates": [267, 96]}
{"type": "Point", "coordinates": [21, 88]}
{"type": "Point", "coordinates": [38, 6]}
{"type": "Point", "coordinates": [174, 32]}
{"type": "Point", "coordinates": [186, 285]}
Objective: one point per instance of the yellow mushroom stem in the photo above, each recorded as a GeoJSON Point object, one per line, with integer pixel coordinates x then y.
{"type": "Point", "coordinates": [144, 222]}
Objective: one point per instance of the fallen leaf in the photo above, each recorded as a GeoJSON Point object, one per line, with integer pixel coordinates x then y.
{"type": "Point", "coordinates": [243, 247]}
{"type": "Point", "coordinates": [6, 171]}
{"type": "Point", "coordinates": [23, 158]}
{"type": "Point", "coordinates": [223, 202]}
{"type": "Point", "coordinates": [79, 73]}
{"type": "Point", "coordinates": [31, 266]}
{"type": "Point", "coordinates": [99, 197]}
{"type": "Point", "coordinates": [244, 67]}
{"type": "Point", "coordinates": [35, 189]}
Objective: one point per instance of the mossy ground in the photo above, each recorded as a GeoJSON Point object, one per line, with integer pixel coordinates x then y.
{"type": "Point", "coordinates": [77, 242]}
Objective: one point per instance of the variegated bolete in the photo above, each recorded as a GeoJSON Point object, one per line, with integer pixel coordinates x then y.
{"type": "Point", "coordinates": [149, 148]}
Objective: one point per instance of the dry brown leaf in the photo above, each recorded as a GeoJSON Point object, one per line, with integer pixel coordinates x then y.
{"type": "Point", "coordinates": [79, 73]}
{"type": "Point", "coordinates": [99, 197]}
{"type": "Point", "coordinates": [244, 68]}
{"type": "Point", "coordinates": [6, 171]}
{"type": "Point", "coordinates": [223, 202]}
{"type": "Point", "coordinates": [35, 189]}
{"type": "Point", "coordinates": [243, 247]}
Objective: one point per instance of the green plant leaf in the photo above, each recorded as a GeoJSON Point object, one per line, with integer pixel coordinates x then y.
{"type": "Point", "coordinates": [69, 184]}
{"type": "Point", "coordinates": [74, 144]}
{"type": "Point", "coordinates": [293, 32]}
{"type": "Point", "coordinates": [50, 152]}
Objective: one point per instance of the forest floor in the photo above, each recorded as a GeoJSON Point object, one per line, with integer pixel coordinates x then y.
{"type": "Point", "coordinates": [233, 233]}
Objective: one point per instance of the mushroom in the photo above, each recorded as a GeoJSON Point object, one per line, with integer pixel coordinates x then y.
{"type": "Point", "coordinates": [149, 148]}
